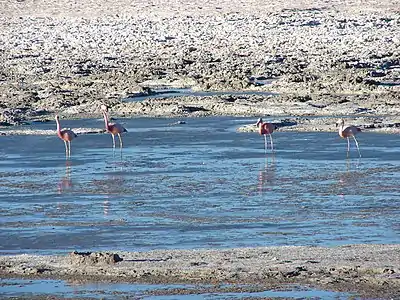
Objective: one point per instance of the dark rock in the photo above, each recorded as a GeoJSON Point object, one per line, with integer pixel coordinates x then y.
{"type": "Point", "coordinates": [358, 65]}
{"type": "Point", "coordinates": [285, 123]}
{"type": "Point", "coordinates": [191, 109]}
{"type": "Point", "coordinates": [377, 74]}
{"type": "Point", "coordinates": [311, 23]}
{"type": "Point", "coordinates": [94, 258]}
{"type": "Point", "coordinates": [341, 101]}
{"type": "Point", "coordinates": [368, 81]}
{"type": "Point", "coordinates": [188, 61]}
{"type": "Point", "coordinates": [303, 98]}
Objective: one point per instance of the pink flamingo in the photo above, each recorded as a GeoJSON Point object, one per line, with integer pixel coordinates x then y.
{"type": "Point", "coordinates": [113, 128]}
{"type": "Point", "coordinates": [265, 128]}
{"type": "Point", "coordinates": [66, 135]}
{"type": "Point", "coordinates": [347, 132]}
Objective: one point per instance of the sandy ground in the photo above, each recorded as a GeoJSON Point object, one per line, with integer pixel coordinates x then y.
{"type": "Point", "coordinates": [370, 270]}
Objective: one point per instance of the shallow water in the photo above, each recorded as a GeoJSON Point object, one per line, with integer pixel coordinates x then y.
{"type": "Point", "coordinates": [168, 93]}
{"type": "Point", "coordinates": [195, 185]}
{"type": "Point", "coordinates": [26, 288]}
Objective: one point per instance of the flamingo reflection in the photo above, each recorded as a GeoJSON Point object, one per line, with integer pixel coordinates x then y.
{"type": "Point", "coordinates": [266, 176]}
{"type": "Point", "coordinates": [65, 183]}
{"type": "Point", "coordinates": [106, 206]}
{"type": "Point", "coordinates": [111, 186]}
{"type": "Point", "coordinates": [348, 178]}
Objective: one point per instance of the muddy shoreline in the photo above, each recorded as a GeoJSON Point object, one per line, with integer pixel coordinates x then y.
{"type": "Point", "coordinates": [377, 124]}
{"type": "Point", "coordinates": [369, 270]}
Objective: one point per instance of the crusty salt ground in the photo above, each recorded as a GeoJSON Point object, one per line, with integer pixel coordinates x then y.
{"type": "Point", "coordinates": [370, 269]}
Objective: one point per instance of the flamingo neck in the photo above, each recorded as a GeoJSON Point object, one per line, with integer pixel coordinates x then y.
{"type": "Point", "coordinates": [58, 126]}
{"type": "Point", "coordinates": [261, 128]}
{"type": "Point", "coordinates": [105, 119]}
{"type": "Point", "coordinates": [58, 129]}
{"type": "Point", "coordinates": [341, 127]}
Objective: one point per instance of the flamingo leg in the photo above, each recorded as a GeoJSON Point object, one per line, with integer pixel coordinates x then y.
{"type": "Point", "coordinates": [113, 138]}
{"type": "Point", "coordinates": [69, 149]}
{"type": "Point", "coordinates": [120, 140]}
{"type": "Point", "coordinates": [348, 146]}
{"type": "Point", "coordinates": [66, 150]}
{"type": "Point", "coordinates": [265, 143]}
{"type": "Point", "coordinates": [272, 143]}
{"type": "Point", "coordinates": [358, 149]}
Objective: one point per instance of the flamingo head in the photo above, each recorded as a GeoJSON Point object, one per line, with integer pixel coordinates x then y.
{"type": "Point", "coordinates": [340, 122]}
{"type": "Point", "coordinates": [57, 117]}
{"type": "Point", "coordinates": [259, 121]}
{"type": "Point", "coordinates": [104, 108]}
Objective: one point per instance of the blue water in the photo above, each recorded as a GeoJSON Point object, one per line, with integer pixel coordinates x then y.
{"type": "Point", "coordinates": [168, 93]}
{"type": "Point", "coordinates": [27, 288]}
{"type": "Point", "coordinates": [195, 185]}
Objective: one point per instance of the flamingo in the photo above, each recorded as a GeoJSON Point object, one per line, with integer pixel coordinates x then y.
{"type": "Point", "coordinates": [265, 128]}
{"type": "Point", "coordinates": [113, 128]}
{"type": "Point", "coordinates": [347, 132]}
{"type": "Point", "coordinates": [66, 135]}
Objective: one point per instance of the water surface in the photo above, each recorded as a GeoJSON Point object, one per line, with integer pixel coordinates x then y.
{"type": "Point", "coordinates": [169, 93]}
{"type": "Point", "coordinates": [10, 288]}
{"type": "Point", "coordinates": [195, 185]}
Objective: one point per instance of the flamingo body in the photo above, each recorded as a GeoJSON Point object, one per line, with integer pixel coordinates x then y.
{"type": "Point", "coordinates": [349, 131]}
{"type": "Point", "coordinates": [115, 128]}
{"type": "Point", "coordinates": [66, 135]}
{"type": "Point", "coordinates": [266, 128]}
